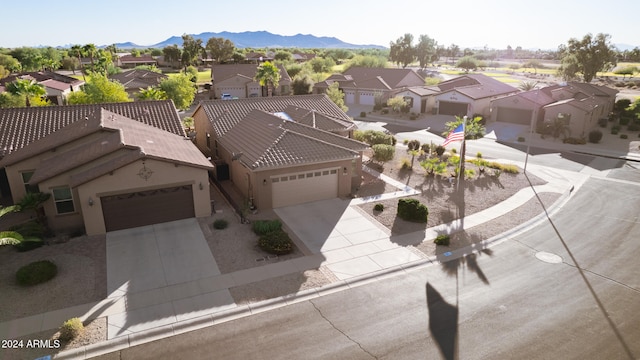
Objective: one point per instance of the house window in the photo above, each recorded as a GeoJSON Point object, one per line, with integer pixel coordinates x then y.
{"type": "Point", "coordinates": [64, 200]}
{"type": "Point", "coordinates": [26, 176]}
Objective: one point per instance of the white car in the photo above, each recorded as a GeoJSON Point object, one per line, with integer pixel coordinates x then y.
{"type": "Point", "coordinates": [226, 97]}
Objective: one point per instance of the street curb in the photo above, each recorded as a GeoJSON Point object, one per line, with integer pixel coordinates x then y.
{"type": "Point", "coordinates": [181, 327]}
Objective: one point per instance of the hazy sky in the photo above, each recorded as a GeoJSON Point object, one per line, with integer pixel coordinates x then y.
{"type": "Point", "coordinates": [541, 24]}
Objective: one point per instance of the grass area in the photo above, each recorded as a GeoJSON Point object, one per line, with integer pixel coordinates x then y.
{"type": "Point", "coordinates": [203, 76]}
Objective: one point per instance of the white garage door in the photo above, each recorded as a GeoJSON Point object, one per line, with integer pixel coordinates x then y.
{"type": "Point", "coordinates": [238, 92]}
{"type": "Point", "coordinates": [299, 188]}
{"type": "Point", "coordinates": [367, 98]}
{"type": "Point", "coordinates": [349, 97]}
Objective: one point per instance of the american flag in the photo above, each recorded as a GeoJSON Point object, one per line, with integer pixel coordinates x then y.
{"type": "Point", "coordinates": [456, 135]}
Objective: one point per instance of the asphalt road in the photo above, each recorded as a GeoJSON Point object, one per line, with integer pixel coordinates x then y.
{"type": "Point", "coordinates": [502, 303]}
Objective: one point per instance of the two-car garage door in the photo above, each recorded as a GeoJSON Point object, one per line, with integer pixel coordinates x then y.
{"type": "Point", "coordinates": [452, 108]}
{"type": "Point", "coordinates": [514, 116]}
{"type": "Point", "coordinates": [142, 208]}
{"type": "Point", "coordinates": [299, 188]}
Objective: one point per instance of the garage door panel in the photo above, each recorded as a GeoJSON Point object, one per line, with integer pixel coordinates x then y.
{"type": "Point", "coordinates": [514, 116]}
{"type": "Point", "coordinates": [452, 108]}
{"type": "Point", "coordinates": [142, 208]}
{"type": "Point", "coordinates": [299, 188]}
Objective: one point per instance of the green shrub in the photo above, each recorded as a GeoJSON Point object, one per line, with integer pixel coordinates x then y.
{"type": "Point", "coordinates": [220, 224]}
{"type": "Point", "coordinates": [36, 273]}
{"type": "Point", "coordinates": [384, 111]}
{"type": "Point", "coordinates": [363, 114]}
{"type": "Point", "coordinates": [603, 122]}
{"type": "Point", "coordinates": [412, 210]}
{"type": "Point", "coordinates": [413, 117]}
{"type": "Point", "coordinates": [405, 141]}
{"type": "Point", "coordinates": [426, 148]}
{"type": "Point", "coordinates": [378, 207]}
{"type": "Point", "coordinates": [276, 242]}
{"type": "Point", "coordinates": [479, 155]}
{"type": "Point", "coordinates": [512, 169]}
{"type": "Point", "coordinates": [440, 150]}
{"type": "Point", "coordinates": [595, 136]}
{"type": "Point", "coordinates": [623, 136]}
{"type": "Point", "coordinates": [614, 131]}
{"type": "Point", "coordinates": [263, 227]}
{"type": "Point", "coordinates": [454, 160]}
{"type": "Point", "coordinates": [574, 141]}
{"type": "Point", "coordinates": [454, 151]}
{"type": "Point", "coordinates": [383, 153]}
{"type": "Point", "coordinates": [521, 139]}
{"type": "Point", "coordinates": [469, 173]}
{"type": "Point", "coordinates": [71, 329]}
{"type": "Point", "coordinates": [442, 239]}
{"type": "Point", "coordinates": [405, 164]}
{"type": "Point", "coordinates": [413, 145]}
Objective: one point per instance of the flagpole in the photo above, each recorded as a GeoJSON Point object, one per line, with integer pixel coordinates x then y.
{"type": "Point", "coordinates": [462, 150]}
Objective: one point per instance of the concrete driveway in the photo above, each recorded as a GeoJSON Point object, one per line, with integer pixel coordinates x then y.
{"type": "Point", "coordinates": [155, 256]}
{"type": "Point", "coordinates": [351, 243]}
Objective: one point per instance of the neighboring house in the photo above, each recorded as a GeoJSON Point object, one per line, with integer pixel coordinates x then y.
{"type": "Point", "coordinates": [257, 57]}
{"type": "Point", "coordinates": [365, 86]}
{"type": "Point", "coordinates": [469, 94]}
{"type": "Point", "coordinates": [302, 57]}
{"type": "Point", "coordinates": [129, 61]}
{"type": "Point", "coordinates": [58, 86]}
{"type": "Point", "coordinates": [238, 80]}
{"type": "Point", "coordinates": [420, 99]}
{"type": "Point", "coordinates": [580, 104]}
{"type": "Point", "coordinates": [20, 127]}
{"type": "Point", "coordinates": [281, 151]}
{"type": "Point", "coordinates": [136, 79]}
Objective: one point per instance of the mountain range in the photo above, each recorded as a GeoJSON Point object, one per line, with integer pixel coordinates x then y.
{"type": "Point", "coordinates": [260, 39]}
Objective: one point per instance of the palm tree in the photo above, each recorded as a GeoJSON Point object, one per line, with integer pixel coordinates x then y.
{"type": "Point", "coordinates": [26, 87]}
{"type": "Point", "coordinates": [268, 75]}
{"type": "Point", "coordinates": [10, 237]}
{"type": "Point", "coordinates": [527, 85]}
{"type": "Point", "coordinates": [77, 51]}
{"type": "Point", "coordinates": [90, 49]}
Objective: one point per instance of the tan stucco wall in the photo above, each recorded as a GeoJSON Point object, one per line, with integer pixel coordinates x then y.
{"type": "Point", "coordinates": [126, 180]}
{"type": "Point", "coordinates": [203, 127]}
{"type": "Point", "coordinates": [580, 123]}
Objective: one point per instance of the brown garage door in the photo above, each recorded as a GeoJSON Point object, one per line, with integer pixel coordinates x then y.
{"type": "Point", "coordinates": [514, 116]}
{"type": "Point", "coordinates": [124, 211]}
{"type": "Point", "coordinates": [452, 108]}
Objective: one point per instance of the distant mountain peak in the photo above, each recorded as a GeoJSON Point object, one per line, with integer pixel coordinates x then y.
{"type": "Point", "coordinates": [261, 39]}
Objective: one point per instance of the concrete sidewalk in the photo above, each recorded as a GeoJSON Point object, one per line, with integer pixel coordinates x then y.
{"type": "Point", "coordinates": [340, 238]}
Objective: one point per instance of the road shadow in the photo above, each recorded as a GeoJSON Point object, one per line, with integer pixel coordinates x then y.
{"type": "Point", "coordinates": [443, 322]}
{"type": "Point", "coordinates": [465, 262]}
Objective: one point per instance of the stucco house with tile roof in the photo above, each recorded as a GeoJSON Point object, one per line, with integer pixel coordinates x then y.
{"type": "Point", "coordinates": [283, 150]}
{"type": "Point", "coordinates": [238, 80]}
{"type": "Point", "coordinates": [58, 86]}
{"type": "Point", "coordinates": [105, 170]}
{"type": "Point", "coordinates": [581, 104]}
{"type": "Point", "coordinates": [363, 85]}
{"type": "Point", "coordinates": [470, 94]}
{"type": "Point", "coordinates": [135, 79]}
{"type": "Point", "coordinates": [130, 61]}
{"type": "Point", "coordinates": [108, 172]}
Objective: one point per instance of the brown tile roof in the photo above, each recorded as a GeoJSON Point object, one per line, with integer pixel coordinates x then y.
{"type": "Point", "coordinates": [40, 76]}
{"type": "Point", "coordinates": [222, 72]}
{"type": "Point", "coordinates": [267, 141]}
{"type": "Point", "coordinates": [477, 86]}
{"type": "Point", "coordinates": [142, 59]}
{"type": "Point", "coordinates": [225, 114]}
{"type": "Point", "coordinates": [138, 78]}
{"type": "Point", "coordinates": [21, 126]}
{"type": "Point", "coordinates": [115, 138]}
{"type": "Point", "coordinates": [394, 78]}
{"type": "Point", "coordinates": [317, 120]}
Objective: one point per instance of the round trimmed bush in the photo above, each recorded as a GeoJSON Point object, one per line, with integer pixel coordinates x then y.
{"type": "Point", "coordinates": [412, 210]}
{"type": "Point", "coordinates": [363, 114]}
{"type": "Point", "coordinates": [71, 329]}
{"type": "Point", "coordinates": [36, 273]}
{"type": "Point", "coordinates": [276, 242]}
{"type": "Point", "coordinates": [623, 136]}
{"type": "Point", "coordinates": [220, 224]}
{"type": "Point", "coordinates": [595, 136]}
{"type": "Point", "coordinates": [378, 207]}
{"type": "Point", "coordinates": [442, 239]}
